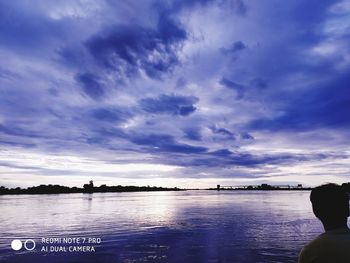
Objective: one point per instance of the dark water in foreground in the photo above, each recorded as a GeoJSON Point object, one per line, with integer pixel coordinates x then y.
{"type": "Point", "coordinates": [191, 226]}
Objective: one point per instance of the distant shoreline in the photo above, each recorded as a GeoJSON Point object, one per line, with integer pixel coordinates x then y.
{"type": "Point", "coordinates": [90, 188]}
{"type": "Point", "coordinates": [159, 189]}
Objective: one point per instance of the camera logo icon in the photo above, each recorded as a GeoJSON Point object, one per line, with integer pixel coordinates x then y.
{"type": "Point", "coordinates": [17, 244]}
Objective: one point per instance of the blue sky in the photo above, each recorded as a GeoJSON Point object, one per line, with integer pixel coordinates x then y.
{"type": "Point", "coordinates": [174, 93]}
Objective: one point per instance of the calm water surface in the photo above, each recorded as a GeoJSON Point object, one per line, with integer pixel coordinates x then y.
{"type": "Point", "coordinates": [191, 226]}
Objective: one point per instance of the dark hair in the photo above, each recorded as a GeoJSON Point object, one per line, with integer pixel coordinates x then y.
{"type": "Point", "coordinates": [330, 202]}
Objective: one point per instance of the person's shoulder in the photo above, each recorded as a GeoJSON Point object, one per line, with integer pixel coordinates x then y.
{"type": "Point", "coordinates": [311, 251]}
{"type": "Point", "coordinates": [318, 242]}
{"type": "Point", "coordinates": [327, 245]}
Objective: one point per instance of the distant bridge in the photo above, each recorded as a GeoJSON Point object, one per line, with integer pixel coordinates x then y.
{"type": "Point", "coordinates": [282, 186]}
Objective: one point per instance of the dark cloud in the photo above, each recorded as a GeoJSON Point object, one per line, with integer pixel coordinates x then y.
{"type": "Point", "coordinates": [235, 48]}
{"type": "Point", "coordinates": [239, 88]}
{"type": "Point", "coordinates": [127, 49]}
{"type": "Point", "coordinates": [91, 85]}
{"type": "Point", "coordinates": [256, 85]}
{"type": "Point", "coordinates": [259, 83]}
{"type": "Point", "coordinates": [169, 104]}
{"type": "Point", "coordinates": [224, 133]}
{"type": "Point", "coordinates": [226, 158]}
{"type": "Point", "coordinates": [193, 134]}
{"type": "Point", "coordinates": [317, 107]}
{"type": "Point", "coordinates": [246, 136]}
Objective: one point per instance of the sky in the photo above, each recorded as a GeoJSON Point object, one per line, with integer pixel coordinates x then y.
{"type": "Point", "coordinates": [174, 92]}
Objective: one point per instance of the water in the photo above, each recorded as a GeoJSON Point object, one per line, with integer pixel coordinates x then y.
{"type": "Point", "coordinates": [191, 226]}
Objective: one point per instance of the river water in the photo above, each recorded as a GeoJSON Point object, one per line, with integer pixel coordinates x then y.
{"type": "Point", "coordinates": [188, 226]}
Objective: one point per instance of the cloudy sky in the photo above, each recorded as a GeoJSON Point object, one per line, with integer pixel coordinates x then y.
{"type": "Point", "coordinates": [174, 93]}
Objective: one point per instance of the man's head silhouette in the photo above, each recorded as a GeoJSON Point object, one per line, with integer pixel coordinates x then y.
{"type": "Point", "coordinates": [330, 204]}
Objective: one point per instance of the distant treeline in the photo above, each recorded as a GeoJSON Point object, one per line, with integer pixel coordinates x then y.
{"type": "Point", "coordinates": [88, 188]}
